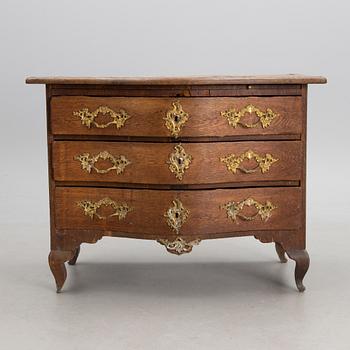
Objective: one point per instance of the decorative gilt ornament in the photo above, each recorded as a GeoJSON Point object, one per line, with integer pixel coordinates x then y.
{"type": "Point", "coordinates": [176, 215]}
{"type": "Point", "coordinates": [88, 118]}
{"type": "Point", "coordinates": [91, 208]}
{"type": "Point", "coordinates": [179, 161]}
{"type": "Point", "coordinates": [233, 162]}
{"type": "Point", "coordinates": [234, 116]}
{"type": "Point", "coordinates": [179, 245]}
{"type": "Point", "coordinates": [88, 162]}
{"type": "Point", "coordinates": [234, 210]}
{"type": "Point", "coordinates": [175, 119]}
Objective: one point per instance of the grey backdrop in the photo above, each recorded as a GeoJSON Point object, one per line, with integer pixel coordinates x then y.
{"type": "Point", "coordinates": [227, 293]}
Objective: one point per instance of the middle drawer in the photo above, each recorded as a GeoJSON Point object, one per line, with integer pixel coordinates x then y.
{"type": "Point", "coordinates": [175, 163]}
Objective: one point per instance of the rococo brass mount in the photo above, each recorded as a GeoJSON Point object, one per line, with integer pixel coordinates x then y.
{"type": "Point", "coordinates": [176, 215]}
{"type": "Point", "coordinates": [90, 208]}
{"type": "Point", "coordinates": [234, 163]}
{"type": "Point", "coordinates": [88, 162]}
{"type": "Point", "coordinates": [179, 161]}
{"type": "Point", "coordinates": [175, 119]}
{"type": "Point", "coordinates": [179, 245]}
{"type": "Point", "coordinates": [234, 116]}
{"type": "Point", "coordinates": [234, 210]}
{"type": "Point", "coordinates": [88, 118]}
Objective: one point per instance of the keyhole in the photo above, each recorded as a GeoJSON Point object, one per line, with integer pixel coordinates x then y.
{"type": "Point", "coordinates": [180, 161]}
{"type": "Point", "coordinates": [176, 215]}
{"type": "Point", "coordinates": [176, 118]}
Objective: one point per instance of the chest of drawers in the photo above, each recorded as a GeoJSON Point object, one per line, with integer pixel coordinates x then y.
{"type": "Point", "coordinates": [177, 160]}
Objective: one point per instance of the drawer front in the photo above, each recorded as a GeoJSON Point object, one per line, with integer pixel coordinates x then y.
{"type": "Point", "coordinates": [175, 163]}
{"type": "Point", "coordinates": [169, 213]}
{"type": "Point", "coordinates": [182, 117]}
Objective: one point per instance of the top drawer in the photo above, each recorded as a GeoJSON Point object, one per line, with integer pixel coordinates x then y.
{"type": "Point", "coordinates": [171, 117]}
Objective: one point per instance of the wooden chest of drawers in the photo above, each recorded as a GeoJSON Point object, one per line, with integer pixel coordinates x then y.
{"type": "Point", "coordinates": [177, 160]}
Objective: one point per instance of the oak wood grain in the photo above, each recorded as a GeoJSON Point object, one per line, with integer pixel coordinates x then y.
{"type": "Point", "coordinates": [149, 162]}
{"type": "Point", "coordinates": [205, 212]}
{"type": "Point", "coordinates": [176, 90]}
{"type": "Point", "coordinates": [194, 80]}
{"type": "Point", "coordinates": [205, 119]}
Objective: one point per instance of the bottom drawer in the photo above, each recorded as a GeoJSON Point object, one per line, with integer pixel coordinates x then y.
{"type": "Point", "coordinates": [167, 213]}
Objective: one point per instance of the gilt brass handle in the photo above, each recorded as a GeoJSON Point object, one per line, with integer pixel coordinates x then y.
{"type": "Point", "coordinates": [234, 116]}
{"type": "Point", "coordinates": [88, 118]}
{"type": "Point", "coordinates": [88, 162]}
{"type": "Point", "coordinates": [234, 209]}
{"type": "Point", "coordinates": [91, 208]}
{"type": "Point", "coordinates": [175, 119]}
{"type": "Point", "coordinates": [179, 245]}
{"type": "Point", "coordinates": [234, 163]}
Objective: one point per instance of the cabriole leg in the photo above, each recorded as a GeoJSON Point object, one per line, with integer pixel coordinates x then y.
{"type": "Point", "coordinates": [280, 252]}
{"type": "Point", "coordinates": [57, 258]}
{"type": "Point", "coordinates": [302, 262]}
{"type": "Point", "coordinates": [75, 257]}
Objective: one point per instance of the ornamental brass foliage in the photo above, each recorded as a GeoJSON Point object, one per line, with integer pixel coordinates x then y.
{"type": "Point", "coordinates": [233, 162]}
{"type": "Point", "coordinates": [179, 245]}
{"type": "Point", "coordinates": [234, 116]}
{"type": "Point", "coordinates": [88, 118]}
{"type": "Point", "coordinates": [234, 209]}
{"type": "Point", "coordinates": [90, 208]}
{"type": "Point", "coordinates": [176, 215]}
{"type": "Point", "coordinates": [179, 161]}
{"type": "Point", "coordinates": [175, 119]}
{"type": "Point", "coordinates": [88, 162]}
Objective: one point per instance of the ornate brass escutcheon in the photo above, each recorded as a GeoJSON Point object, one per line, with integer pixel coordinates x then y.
{"type": "Point", "coordinates": [234, 163]}
{"type": "Point", "coordinates": [179, 161]}
{"type": "Point", "coordinates": [89, 118]}
{"type": "Point", "coordinates": [176, 215]}
{"type": "Point", "coordinates": [179, 245]}
{"type": "Point", "coordinates": [88, 162]}
{"type": "Point", "coordinates": [175, 119]}
{"type": "Point", "coordinates": [91, 208]}
{"type": "Point", "coordinates": [234, 209]}
{"type": "Point", "coordinates": [234, 116]}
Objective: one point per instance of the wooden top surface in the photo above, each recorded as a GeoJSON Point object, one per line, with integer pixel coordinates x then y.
{"type": "Point", "coordinates": [190, 80]}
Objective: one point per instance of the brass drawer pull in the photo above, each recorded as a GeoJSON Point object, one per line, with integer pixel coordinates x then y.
{"type": "Point", "coordinates": [175, 119]}
{"type": "Point", "coordinates": [88, 162]}
{"type": "Point", "coordinates": [179, 245]}
{"type": "Point", "coordinates": [91, 208]}
{"type": "Point", "coordinates": [234, 116]}
{"type": "Point", "coordinates": [234, 210]}
{"type": "Point", "coordinates": [176, 215]}
{"type": "Point", "coordinates": [88, 118]}
{"type": "Point", "coordinates": [179, 161]}
{"type": "Point", "coordinates": [233, 162]}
